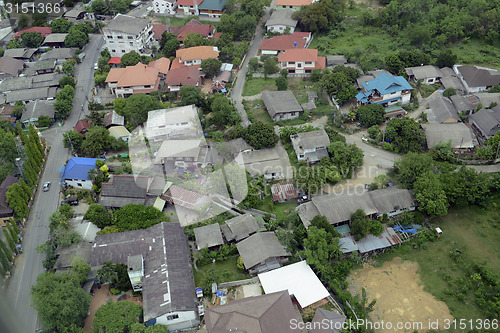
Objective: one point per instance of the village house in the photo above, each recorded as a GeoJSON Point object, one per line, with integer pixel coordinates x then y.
{"type": "Point", "coordinates": [159, 265]}
{"type": "Point", "coordinates": [138, 79]}
{"type": "Point", "coordinates": [212, 8]}
{"type": "Point", "coordinates": [34, 110]}
{"type": "Point", "coordinates": [54, 40]}
{"type": "Point", "coordinates": [281, 22]}
{"type": "Point", "coordinates": [122, 190]}
{"type": "Point", "coordinates": [188, 7]}
{"type": "Point", "coordinates": [441, 111]}
{"type": "Point", "coordinates": [271, 312]}
{"type": "Point", "coordinates": [370, 243]}
{"type": "Point", "coordinates": [10, 68]}
{"type": "Point", "coordinates": [459, 134]}
{"type": "Point", "coordinates": [76, 172]}
{"type": "Point", "coordinates": [193, 26]}
{"type": "Point", "coordinates": [271, 163]}
{"type": "Point", "coordinates": [486, 122]}
{"type": "Point", "coordinates": [292, 4]}
{"type": "Point", "coordinates": [310, 146]}
{"type": "Point", "coordinates": [44, 31]}
{"type": "Point", "coordinates": [208, 237]}
{"type": "Point", "coordinates": [42, 67]}
{"type": "Point", "coordinates": [301, 61]}
{"type": "Point", "coordinates": [59, 54]}
{"type": "Point", "coordinates": [182, 76]}
{"type": "Point", "coordinates": [477, 79]}
{"type": "Point", "coordinates": [162, 65]}
{"type": "Point", "coordinates": [278, 44]}
{"type": "Point", "coordinates": [112, 118]}
{"type": "Point", "coordinates": [293, 278]}
{"type": "Point", "coordinates": [119, 133]}
{"type": "Point", "coordinates": [426, 74]}
{"type": "Point", "coordinates": [281, 105]}
{"type": "Point", "coordinates": [82, 126]}
{"type": "Point", "coordinates": [175, 123]}
{"type": "Point", "coordinates": [126, 33]}
{"type": "Point", "coordinates": [283, 192]}
{"type": "Point", "coordinates": [262, 252]}
{"type": "Point", "coordinates": [240, 227]}
{"type": "Point", "coordinates": [184, 153]}
{"type": "Point", "coordinates": [75, 14]}
{"type": "Point", "coordinates": [385, 90]}
{"type": "Point", "coordinates": [24, 54]}
{"type": "Point", "coordinates": [193, 56]}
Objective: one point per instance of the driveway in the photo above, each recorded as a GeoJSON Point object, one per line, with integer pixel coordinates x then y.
{"type": "Point", "coordinates": [29, 264]}
{"type": "Point", "coordinates": [242, 73]}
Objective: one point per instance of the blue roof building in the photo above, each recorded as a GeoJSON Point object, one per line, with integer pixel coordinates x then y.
{"type": "Point", "coordinates": [386, 90]}
{"type": "Point", "coordinates": [76, 172]}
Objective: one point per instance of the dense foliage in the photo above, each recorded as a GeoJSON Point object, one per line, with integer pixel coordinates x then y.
{"type": "Point", "coordinates": [337, 82]}
{"type": "Point", "coordinates": [321, 15]}
{"type": "Point", "coordinates": [405, 135]}
{"type": "Point", "coordinates": [116, 317]}
{"type": "Point", "coordinates": [260, 135]}
{"type": "Point", "coordinates": [370, 114]}
{"type": "Point", "coordinates": [135, 108]}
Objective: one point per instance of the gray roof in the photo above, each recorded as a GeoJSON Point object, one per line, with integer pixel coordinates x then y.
{"type": "Point", "coordinates": [486, 98]}
{"type": "Point", "coordinates": [240, 227]}
{"type": "Point", "coordinates": [44, 64]}
{"type": "Point", "coordinates": [265, 161]}
{"type": "Point", "coordinates": [54, 38]}
{"type": "Point", "coordinates": [463, 103]}
{"type": "Point", "coordinates": [38, 108]}
{"type": "Point", "coordinates": [127, 24]}
{"type": "Point", "coordinates": [30, 94]}
{"type": "Point", "coordinates": [488, 121]}
{"type": "Point", "coordinates": [459, 134]}
{"type": "Point", "coordinates": [280, 102]}
{"type": "Point", "coordinates": [310, 140]}
{"type": "Point", "coordinates": [259, 247]}
{"type": "Point", "coordinates": [476, 77]}
{"type": "Point", "coordinates": [334, 319]}
{"type": "Point", "coordinates": [18, 83]}
{"type": "Point", "coordinates": [282, 17]}
{"type": "Point", "coordinates": [67, 254]}
{"type": "Point", "coordinates": [75, 12]}
{"type": "Point", "coordinates": [259, 314]}
{"type": "Point", "coordinates": [424, 72]}
{"type": "Point", "coordinates": [453, 82]}
{"type": "Point", "coordinates": [113, 118]}
{"type": "Point", "coordinates": [10, 65]}
{"type": "Point", "coordinates": [59, 53]}
{"type": "Point", "coordinates": [370, 242]}
{"type": "Point", "coordinates": [208, 236]}
{"type": "Point", "coordinates": [22, 53]}
{"type": "Point", "coordinates": [334, 60]}
{"type": "Point", "coordinates": [441, 110]}
{"type": "Point", "coordinates": [391, 198]}
{"type": "Point", "coordinates": [167, 265]}
{"type": "Point", "coordinates": [124, 190]}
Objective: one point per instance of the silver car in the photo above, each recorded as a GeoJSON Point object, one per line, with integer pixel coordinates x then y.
{"type": "Point", "coordinates": [46, 186]}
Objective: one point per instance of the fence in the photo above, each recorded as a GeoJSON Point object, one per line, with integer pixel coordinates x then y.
{"type": "Point", "coordinates": [238, 283]}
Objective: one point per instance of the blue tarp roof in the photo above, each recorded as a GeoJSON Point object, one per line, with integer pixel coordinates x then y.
{"type": "Point", "coordinates": [78, 168]}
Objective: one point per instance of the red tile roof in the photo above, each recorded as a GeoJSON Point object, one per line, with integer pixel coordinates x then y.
{"type": "Point", "coordinates": [282, 42]}
{"type": "Point", "coordinates": [45, 31]}
{"type": "Point", "coordinates": [298, 55]}
{"type": "Point", "coordinates": [197, 52]}
{"type": "Point", "coordinates": [81, 125]}
{"type": "Point", "coordinates": [185, 198]}
{"type": "Point", "coordinates": [162, 64]}
{"type": "Point", "coordinates": [115, 60]}
{"type": "Point", "coordinates": [293, 2]}
{"type": "Point", "coordinates": [183, 76]}
{"type": "Point", "coordinates": [138, 75]}
{"type": "Point", "coordinates": [158, 30]}
{"type": "Point", "coordinates": [203, 29]}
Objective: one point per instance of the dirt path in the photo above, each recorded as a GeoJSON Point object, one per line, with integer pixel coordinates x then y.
{"type": "Point", "coordinates": [400, 296]}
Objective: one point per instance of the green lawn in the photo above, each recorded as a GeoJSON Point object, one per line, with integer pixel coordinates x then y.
{"type": "Point", "coordinates": [473, 231]}
{"type": "Point", "coordinates": [228, 266]}
{"type": "Point", "coordinates": [279, 209]}
{"type": "Point", "coordinates": [299, 87]}
{"type": "Point", "coordinates": [255, 86]}
{"type": "Point", "coordinates": [257, 112]}
{"type": "Point", "coordinates": [177, 21]}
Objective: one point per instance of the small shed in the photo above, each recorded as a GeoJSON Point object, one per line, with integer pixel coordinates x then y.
{"type": "Point", "coordinates": [208, 236]}
{"type": "Point", "coordinates": [283, 191]}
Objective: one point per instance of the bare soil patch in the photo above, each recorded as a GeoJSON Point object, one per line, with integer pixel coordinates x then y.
{"type": "Point", "coordinates": [400, 295]}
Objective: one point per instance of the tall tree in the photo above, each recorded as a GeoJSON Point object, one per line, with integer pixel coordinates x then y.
{"type": "Point", "coordinates": [131, 58]}
{"type": "Point", "coordinates": [321, 250]}
{"type": "Point", "coordinates": [260, 135]}
{"type": "Point", "coordinates": [32, 39]}
{"type": "Point", "coordinates": [60, 25]}
{"type": "Point", "coordinates": [116, 317]}
{"type": "Point", "coordinates": [60, 301]}
{"type": "Point", "coordinates": [211, 67]}
{"type": "Point", "coordinates": [430, 195]}
{"type": "Point", "coordinates": [370, 114]}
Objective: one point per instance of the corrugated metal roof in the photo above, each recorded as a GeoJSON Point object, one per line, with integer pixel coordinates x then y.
{"type": "Point", "coordinates": [283, 191]}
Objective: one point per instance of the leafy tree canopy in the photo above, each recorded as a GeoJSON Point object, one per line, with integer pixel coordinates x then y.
{"type": "Point", "coordinates": [131, 58]}
{"type": "Point", "coordinates": [116, 317]}
{"type": "Point", "coordinates": [405, 134]}
{"type": "Point", "coordinates": [370, 114]}
{"type": "Point", "coordinates": [211, 67]}
{"type": "Point", "coordinates": [260, 135]}
{"type": "Point", "coordinates": [133, 217]}
{"type": "Point", "coordinates": [32, 39]}
{"type": "Point", "coordinates": [60, 25]}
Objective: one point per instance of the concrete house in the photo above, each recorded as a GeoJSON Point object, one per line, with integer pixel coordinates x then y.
{"type": "Point", "coordinates": [486, 122]}
{"type": "Point", "coordinates": [193, 26]}
{"type": "Point", "coordinates": [477, 79]}
{"type": "Point", "coordinates": [262, 252]}
{"type": "Point", "coordinates": [271, 163]}
{"type": "Point", "coordinates": [126, 33]}
{"type": "Point", "coordinates": [426, 74]}
{"type": "Point", "coordinates": [164, 6]}
{"type": "Point", "coordinates": [175, 123]}
{"type": "Point", "coordinates": [281, 21]}
{"type": "Point", "coordinates": [459, 134]}
{"type": "Point", "coordinates": [34, 110]}
{"type": "Point", "coordinates": [182, 76]}
{"type": "Point", "coordinates": [188, 7]}
{"type": "Point", "coordinates": [76, 172]}
{"type": "Point", "coordinates": [386, 90]}
{"type": "Point", "coordinates": [184, 153]}
{"type": "Point", "coordinates": [193, 56]}
{"type": "Point", "coordinates": [159, 265]}
{"type": "Point", "coordinates": [292, 4]}
{"type": "Point", "coordinates": [310, 146]}
{"type": "Point", "coordinates": [138, 79]}
{"type": "Point", "coordinates": [301, 61]}
{"type": "Point", "coordinates": [278, 44]}
{"type": "Point", "coordinates": [281, 105]}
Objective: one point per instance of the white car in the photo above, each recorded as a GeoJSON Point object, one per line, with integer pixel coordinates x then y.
{"type": "Point", "coordinates": [96, 66]}
{"type": "Point", "coordinates": [46, 186]}
{"type": "Point", "coordinates": [365, 139]}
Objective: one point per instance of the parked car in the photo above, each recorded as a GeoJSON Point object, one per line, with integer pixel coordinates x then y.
{"type": "Point", "coordinates": [303, 198]}
{"type": "Point", "coordinates": [365, 139]}
{"type": "Point", "coordinates": [46, 186]}
{"type": "Point", "coordinates": [72, 201]}
{"type": "Point", "coordinates": [389, 183]}
{"type": "Point", "coordinates": [96, 66]}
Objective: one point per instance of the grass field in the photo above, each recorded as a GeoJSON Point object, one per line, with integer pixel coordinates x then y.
{"type": "Point", "coordinates": [255, 86]}
{"type": "Point", "coordinates": [257, 112]}
{"type": "Point", "coordinates": [229, 266]}
{"type": "Point", "coordinates": [473, 231]}
{"type": "Point", "coordinates": [281, 210]}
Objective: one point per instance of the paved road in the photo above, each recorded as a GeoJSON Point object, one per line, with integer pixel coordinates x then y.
{"type": "Point", "coordinates": [29, 264]}
{"type": "Point", "coordinates": [242, 74]}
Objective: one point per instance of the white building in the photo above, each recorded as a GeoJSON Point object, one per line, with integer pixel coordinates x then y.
{"type": "Point", "coordinates": [310, 146]}
{"type": "Point", "coordinates": [126, 33]}
{"type": "Point", "coordinates": [164, 6]}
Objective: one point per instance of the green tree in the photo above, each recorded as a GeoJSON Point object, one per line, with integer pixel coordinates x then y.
{"type": "Point", "coordinates": [223, 114]}
{"type": "Point", "coordinates": [448, 92]}
{"type": "Point", "coordinates": [360, 224]}
{"type": "Point", "coordinates": [116, 317]}
{"type": "Point", "coordinates": [96, 118]}
{"type": "Point", "coordinates": [346, 158]}
{"type": "Point", "coordinates": [131, 58]}
{"type": "Point", "coordinates": [281, 83]}
{"type": "Point", "coordinates": [430, 195]}
{"type": "Point", "coordinates": [373, 131]}
{"type": "Point", "coordinates": [446, 59]}
{"type": "Point", "coordinates": [405, 134]}
{"type": "Point", "coordinates": [32, 39]}
{"type": "Point", "coordinates": [321, 250]}
{"type": "Point", "coordinates": [211, 67]}
{"type": "Point", "coordinates": [76, 38]}
{"type": "Point", "coordinates": [339, 83]}
{"type": "Point", "coordinates": [270, 66]}
{"type": "Point", "coordinates": [98, 215]}
{"type": "Point", "coordinates": [169, 44]}
{"type": "Point", "coordinates": [63, 108]}
{"type": "Point", "coordinates": [60, 301]}
{"type": "Point", "coordinates": [10, 241]}
{"type": "Point", "coordinates": [194, 39]}
{"type": "Point", "coordinates": [122, 281]}
{"type": "Point", "coordinates": [68, 67]}
{"type": "Point", "coordinates": [97, 140]}
{"type": "Point", "coordinates": [74, 140]}
{"type": "Point", "coordinates": [412, 166]}
{"type": "Point", "coordinates": [260, 135]}
{"type": "Point", "coordinates": [80, 268]}
{"type": "Point", "coordinates": [370, 114]}
{"type": "Point", "coordinates": [107, 272]}
{"type": "Point", "coordinates": [133, 217]}
{"type": "Point", "coordinates": [60, 25]}
{"type": "Point", "coordinates": [23, 21]}
{"type": "Point", "coordinates": [67, 80]}
{"type": "Point", "coordinates": [320, 16]}
{"type": "Point", "coordinates": [136, 108]}
{"type": "Point", "coordinates": [100, 80]}
{"type": "Point", "coordinates": [2, 51]}
{"type": "Point", "coordinates": [190, 95]}
{"type": "Point", "coordinates": [141, 328]}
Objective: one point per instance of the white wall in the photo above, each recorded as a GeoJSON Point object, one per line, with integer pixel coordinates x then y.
{"type": "Point", "coordinates": [280, 28]}
{"type": "Point", "coordinates": [187, 319]}
{"type": "Point", "coordinates": [163, 7]}
{"type": "Point", "coordinates": [284, 116]}
{"type": "Point", "coordinates": [85, 184]}
{"type": "Point", "coordinates": [119, 46]}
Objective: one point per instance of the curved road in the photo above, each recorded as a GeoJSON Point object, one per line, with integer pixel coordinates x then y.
{"type": "Point", "coordinates": [29, 264]}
